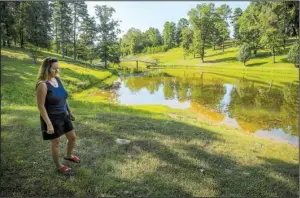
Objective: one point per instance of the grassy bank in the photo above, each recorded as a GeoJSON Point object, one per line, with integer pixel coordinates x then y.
{"type": "Point", "coordinates": [215, 61]}
{"type": "Point", "coordinates": [172, 153]}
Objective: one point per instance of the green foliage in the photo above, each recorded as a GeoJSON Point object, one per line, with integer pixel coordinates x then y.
{"type": "Point", "coordinates": [293, 55]}
{"type": "Point", "coordinates": [157, 49]}
{"type": "Point", "coordinates": [244, 53]}
{"type": "Point", "coordinates": [237, 13]}
{"type": "Point", "coordinates": [107, 32]}
{"type": "Point", "coordinates": [154, 36]}
{"type": "Point", "coordinates": [182, 23]}
{"type": "Point", "coordinates": [169, 34]}
{"type": "Point", "coordinates": [202, 22]}
{"type": "Point", "coordinates": [187, 40]}
{"type": "Point", "coordinates": [34, 52]}
{"type": "Point", "coordinates": [62, 21]}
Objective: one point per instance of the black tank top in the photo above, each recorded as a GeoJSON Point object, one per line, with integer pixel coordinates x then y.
{"type": "Point", "coordinates": [56, 98]}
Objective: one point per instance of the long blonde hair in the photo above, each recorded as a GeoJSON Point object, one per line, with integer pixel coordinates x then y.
{"type": "Point", "coordinates": [44, 72]}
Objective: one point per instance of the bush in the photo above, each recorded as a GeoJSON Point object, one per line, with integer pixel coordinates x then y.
{"type": "Point", "coordinates": [157, 49]}
{"type": "Point", "coordinates": [293, 55]}
{"type": "Point", "coordinates": [34, 52]}
{"type": "Point", "coordinates": [244, 53]}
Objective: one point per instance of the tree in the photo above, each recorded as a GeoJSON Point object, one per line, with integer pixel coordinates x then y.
{"type": "Point", "coordinates": [182, 23]}
{"type": "Point", "coordinates": [187, 39]}
{"type": "Point", "coordinates": [107, 30]}
{"type": "Point", "coordinates": [7, 22]}
{"type": "Point", "coordinates": [271, 33]}
{"type": "Point", "coordinates": [37, 15]}
{"type": "Point", "coordinates": [244, 53]}
{"type": "Point", "coordinates": [63, 24]}
{"type": "Point", "coordinates": [79, 12]}
{"type": "Point", "coordinates": [154, 36]}
{"type": "Point", "coordinates": [201, 19]}
{"type": "Point", "coordinates": [223, 13]}
{"type": "Point", "coordinates": [250, 28]}
{"type": "Point", "coordinates": [293, 55]}
{"type": "Point", "coordinates": [234, 21]}
{"type": "Point", "coordinates": [34, 52]}
{"type": "Point", "coordinates": [86, 48]}
{"type": "Point", "coordinates": [169, 34]}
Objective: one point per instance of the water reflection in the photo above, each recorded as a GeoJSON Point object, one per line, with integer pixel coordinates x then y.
{"type": "Point", "coordinates": [244, 105]}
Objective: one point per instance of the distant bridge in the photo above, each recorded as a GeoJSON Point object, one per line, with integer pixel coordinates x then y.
{"type": "Point", "coordinates": [137, 60]}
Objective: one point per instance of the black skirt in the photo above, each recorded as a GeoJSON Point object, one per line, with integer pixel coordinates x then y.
{"type": "Point", "coordinates": [61, 124]}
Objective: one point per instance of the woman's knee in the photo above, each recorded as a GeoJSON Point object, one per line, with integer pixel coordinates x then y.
{"type": "Point", "coordinates": [55, 143]}
{"type": "Point", "coordinates": [71, 136]}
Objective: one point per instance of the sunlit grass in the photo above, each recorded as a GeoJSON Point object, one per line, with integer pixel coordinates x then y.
{"type": "Point", "coordinates": [173, 152]}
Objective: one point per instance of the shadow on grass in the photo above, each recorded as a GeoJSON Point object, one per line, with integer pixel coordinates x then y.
{"type": "Point", "coordinates": [227, 59]}
{"type": "Point", "coordinates": [220, 53]}
{"type": "Point", "coordinates": [256, 64]}
{"type": "Point", "coordinates": [165, 158]}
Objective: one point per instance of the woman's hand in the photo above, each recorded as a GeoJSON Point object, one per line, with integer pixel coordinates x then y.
{"type": "Point", "coordinates": [50, 129]}
{"type": "Point", "coordinates": [71, 116]}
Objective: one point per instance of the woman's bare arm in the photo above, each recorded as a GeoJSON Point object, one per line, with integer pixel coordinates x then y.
{"type": "Point", "coordinates": [41, 97]}
{"type": "Point", "coordinates": [70, 112]}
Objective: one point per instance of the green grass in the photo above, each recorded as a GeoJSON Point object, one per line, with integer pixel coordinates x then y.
{"type": "Point", "coordinates": [226, 64]}
{"type": "Point", "coordinates": [172, 153]}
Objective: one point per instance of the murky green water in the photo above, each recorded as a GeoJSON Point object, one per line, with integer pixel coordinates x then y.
{"type": "Point", "coordinates": [266, 111]}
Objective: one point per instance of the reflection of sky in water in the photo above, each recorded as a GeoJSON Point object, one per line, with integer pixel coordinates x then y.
{"type": "Point", "coordinates": [144, 97]}
{"type": "Point", "coordinates": [274, 134]}
{"type": "Point", "coordinates": [224, 107]}
{"type": "Point", "coordinates": [278, 134]}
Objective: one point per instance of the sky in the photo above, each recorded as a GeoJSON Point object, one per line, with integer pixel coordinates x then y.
{"type": "Point", "coordinates": [143, 15]}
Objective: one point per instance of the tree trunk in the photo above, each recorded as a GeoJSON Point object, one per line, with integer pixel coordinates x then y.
{"type": "Point", "coordinates": [273, 53]}
{"type": "Point", "coordinates": [223, 46]}
{"type": "Point", "coordinates": [202, 54]}
{"type": "Point", "coordinates": [74, 38]}
{"type": "Point", "coordinates": [62, 34]}
{"type": "Point", "coordinates": [8, 43]}
{"type": "Point", "coordinates": [56, 46]}
{"type": "Point", "coordinates": [21, 39]}
{"type": "Point", "coordinates": [105, 61]}
{"type": "Point", "coordinates": [7, 34]}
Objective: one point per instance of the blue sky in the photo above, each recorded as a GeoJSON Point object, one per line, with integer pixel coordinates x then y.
{"type": "Point", "coordinates": [142, 15]}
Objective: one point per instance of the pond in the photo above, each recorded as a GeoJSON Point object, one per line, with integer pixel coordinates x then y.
{"type": "Point", "coordinates": [266, 111]}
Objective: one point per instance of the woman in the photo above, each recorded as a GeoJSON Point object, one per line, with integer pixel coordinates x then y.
{"type": "Point", "coordinates": [55, 113]}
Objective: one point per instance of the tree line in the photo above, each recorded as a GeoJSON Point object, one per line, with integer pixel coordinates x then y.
{"type": "Point", "coordinates": [62, 26]}
{"type": "Point", "coordinates": [66, 28]}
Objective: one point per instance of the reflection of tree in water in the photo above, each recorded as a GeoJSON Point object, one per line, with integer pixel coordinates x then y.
{"type": "Point", "coordinates": [209, 93]}
{"type": "Point", "coordinates": [137, 83]}
{"type": "Point", "coordinates": [290, 107]}
{"type": "Point", "coordinates": [244, 94]}
{"type": "Point", "coordinates": [153, 85]}
{"type": "Point", "coordinates": [169, 88]}
{"type": "Point", "coordinates": [181, 88]}
{"type": "Point", "coordinates": [258, 108]}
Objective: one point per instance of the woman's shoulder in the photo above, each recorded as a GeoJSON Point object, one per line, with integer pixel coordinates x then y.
{"type": "Point", "coordinates": [40, 85]}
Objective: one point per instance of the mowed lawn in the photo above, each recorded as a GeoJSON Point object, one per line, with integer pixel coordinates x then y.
{"type": "Point", "coordinates": [171, 153]}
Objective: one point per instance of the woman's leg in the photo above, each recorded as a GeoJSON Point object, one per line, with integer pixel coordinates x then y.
{"type": "Point", "coordinates": [55, 152]}
{"type": "Point", "coordinates": [71, 136]}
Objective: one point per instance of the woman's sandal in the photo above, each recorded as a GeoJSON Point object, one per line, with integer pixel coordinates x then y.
{"type": "Point", "coordinates": [64, 169]}
{"type": "Point", "coordinates": [74, 159]}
